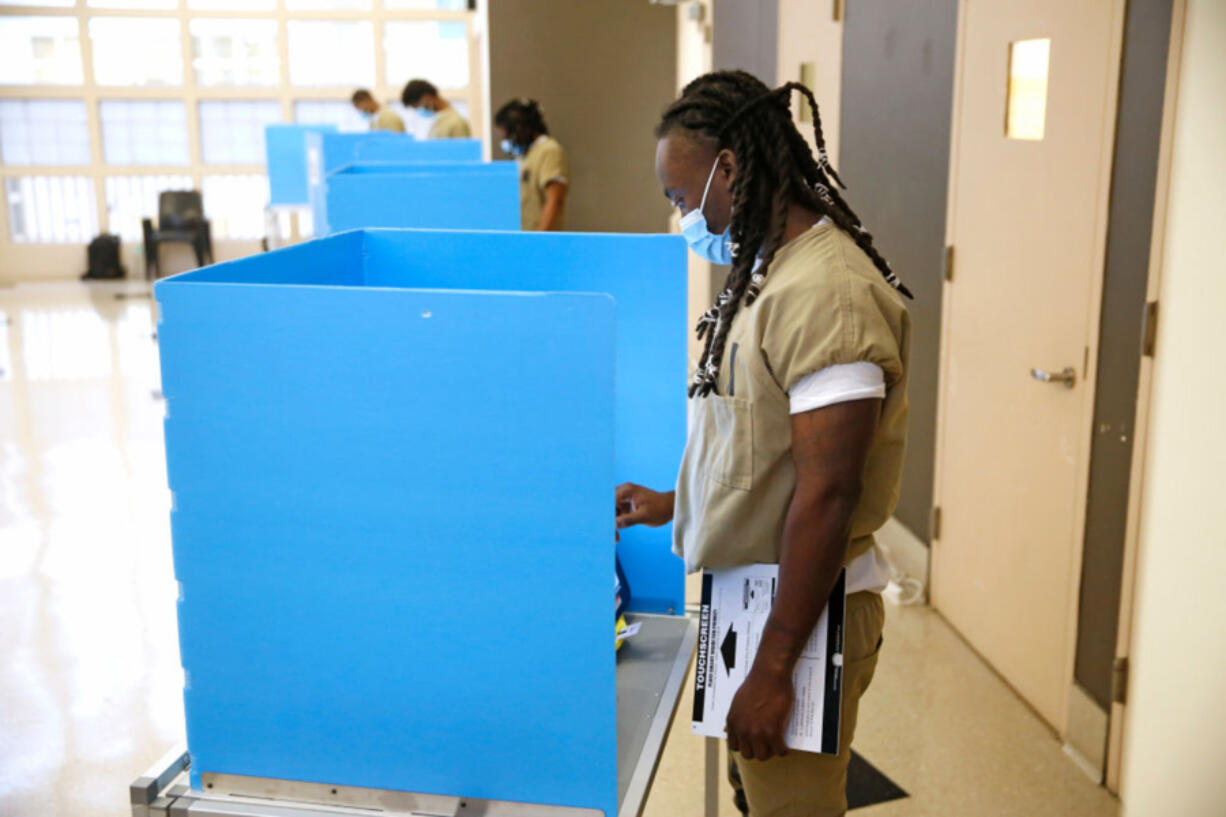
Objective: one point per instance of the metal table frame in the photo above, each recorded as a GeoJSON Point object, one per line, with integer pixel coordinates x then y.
{"type": "Point", "coordinates": [164, 791]}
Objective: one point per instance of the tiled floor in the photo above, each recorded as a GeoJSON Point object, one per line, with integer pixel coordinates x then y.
{"type": "Point", "coordinates": [90, 683]}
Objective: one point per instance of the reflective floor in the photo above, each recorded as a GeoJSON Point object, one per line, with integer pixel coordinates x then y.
{"type": "Point", "coordinates": [90, 687]}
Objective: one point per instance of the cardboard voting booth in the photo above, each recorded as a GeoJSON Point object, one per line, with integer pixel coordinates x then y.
{"type": "Point", "coordinates": [463, 195]}
{"type": "Point", "coordinates": [393, 456]}
{"type": "Point", "coordinates": [285, 152]}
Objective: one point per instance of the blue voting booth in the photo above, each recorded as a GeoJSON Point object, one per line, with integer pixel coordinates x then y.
{"type": "Point", "coordinates": [468, 195]}
{"type": "Point", "coordinates": [393, 454]}
{"type": "Point", "coordinates": [327, 152]}
{"type": "Point", "coordinates": [285, 152]}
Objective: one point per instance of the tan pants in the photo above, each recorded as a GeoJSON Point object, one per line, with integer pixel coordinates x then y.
{"type": "Point", "coordinates": [803, 784]}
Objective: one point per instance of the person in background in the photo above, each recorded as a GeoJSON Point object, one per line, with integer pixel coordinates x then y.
{"type": "Point", "coordinates": [798, 412]}
{"type": "Point", "coordinates": [445, 121]}
{"type": "Point", "coordinates": [380, 116]}
{"type": "Point", "coordinates": [542, 164]}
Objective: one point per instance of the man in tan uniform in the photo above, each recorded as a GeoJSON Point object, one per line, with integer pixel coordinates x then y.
{"type": "Point", "coordinates": [797, 415]}
{"type": "Point", "coordinates": [381, 117]}
{"type": "Point", "coordinates": [543, 180]}
{"type": "Point", "coordinates": [445, 120]}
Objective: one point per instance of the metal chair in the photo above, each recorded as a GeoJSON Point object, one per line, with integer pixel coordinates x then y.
{"type": "Point", "coordinates": [180, 219]}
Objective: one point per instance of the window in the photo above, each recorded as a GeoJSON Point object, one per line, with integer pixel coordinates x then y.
{"type": "Point", "coordinates": [427, 5]}
{"type": "Point", "coordinates": [133, 4]}
{"type": "Point", "coordinates": [136, 51]}
{"type": "Point", "coordinates": [51, 209]}
{"type": "Point", "coordinates": [232, 5]}
{"type": "Point", "coordinates": [232, 133]}
{"type": "Point", "coordinates": [40, 51]}
{"type": "Point", "coordinates": [330, 112]}
{"type": "Point", "coordinates": [235, 205]}
{"type": "Point", "coordinates": [327, 5]}
{"type": "Point", "coordinates": [347, 45]}
{"type": "Point", "coordinates": [437, 51]}
{"type": "Point", "coordinates": [235, 52]}
{"type": "Point", "coordinates": [132, 198]}
{"type": "Point", "coordinates": [144, 132]}
{"type": "Point", "coordinates": [106, 103]}
{"type": "Point", "coordinates": [1026, 111]}
{"type": "Point", "coordinates": [43, 132]}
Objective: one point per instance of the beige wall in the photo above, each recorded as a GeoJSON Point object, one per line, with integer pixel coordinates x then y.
{"type": "Point", "coordinates": [808, 32]}
{"type": "Point", "coordinates": [603, 71]}
{"type": "Point", "coordinates": [1175, 739]}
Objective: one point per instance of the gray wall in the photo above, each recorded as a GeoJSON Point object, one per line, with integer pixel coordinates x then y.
{"type": "Point", "coordinates": [897, 96]}
{"type": "Point", "coordinates": [1133, 179]}
{"type": "Point", "coordinates": [603, 70]}
{"type": "Point", "coordinates": [745, 35]}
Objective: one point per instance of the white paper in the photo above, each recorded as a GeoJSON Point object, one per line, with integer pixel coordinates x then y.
{"type": "Point", "coordinates": [736, 603]}
{"type": "Point", "coordinates": [630, 631]}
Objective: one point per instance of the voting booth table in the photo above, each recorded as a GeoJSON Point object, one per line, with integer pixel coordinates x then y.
{"type": "Point", "coordinates": [431, 195]}
{"type": "Point", "coordinates": [393, 456]}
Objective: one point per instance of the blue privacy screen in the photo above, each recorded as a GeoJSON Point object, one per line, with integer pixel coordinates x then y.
{"type": "Point", "coordinates": [468, 195]}
{"type": "Point", "coordinates": [331, 151]}
{"type": "Point", "coordinates": [285, 149]}
{"type": "Point", "coordinates": [393, 454]}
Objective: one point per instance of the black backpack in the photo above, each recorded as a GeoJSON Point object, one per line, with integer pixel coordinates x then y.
{"type": "Point", "coordinates": [103, 255]}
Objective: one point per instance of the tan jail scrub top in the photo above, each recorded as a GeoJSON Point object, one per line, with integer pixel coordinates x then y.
{"type": "Point", "coordinates": [823, 303]}
{"type": "Point", "coordinates": [387, 119]}
{"type": "Point", "coordinates": [544, 162]}
{"type": "Point", "coordinates": [448, 124]}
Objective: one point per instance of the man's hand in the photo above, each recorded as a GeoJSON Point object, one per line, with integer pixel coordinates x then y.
{"type": "Point", "coordinates": [758, 717]}
{"type": "Point", "coordinates": [637, 505]}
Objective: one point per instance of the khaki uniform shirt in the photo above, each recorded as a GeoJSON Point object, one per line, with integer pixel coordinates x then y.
{"type": "Point", "coordinates": [544, 162]}
{"type": "Point", "coordinates": [823, 303]}
{"type": "Point", "coordinates": [387, 119]}
{"type": "Point", "coordinates": [448, 124]}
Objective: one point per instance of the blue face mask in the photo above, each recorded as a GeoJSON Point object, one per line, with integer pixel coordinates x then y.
{"type": "Point", "coordinates": [425, 113]}
{"type": "Point", "coordinates": [509, 147]}
{"type": "Point", "coordinates": [715, 248]}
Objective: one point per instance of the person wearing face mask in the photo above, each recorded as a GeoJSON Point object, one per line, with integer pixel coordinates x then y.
{"type": "Point", "coordinates": [445, 121]}
{"type": "Point", "coordinates": [542, 164]}
{"type": "Point", "coordinates": [797, 415]}
{"type": "Point", "coordinates": [380, 116]}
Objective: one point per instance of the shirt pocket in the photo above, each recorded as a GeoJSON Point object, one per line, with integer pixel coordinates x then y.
{"type": "Point", "coordinates": [730, 441]}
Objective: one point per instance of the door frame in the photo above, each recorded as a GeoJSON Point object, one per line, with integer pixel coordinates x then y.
{"type": "Point", "coordinates": [1088, 378]}
{"type": "Point", "coordinates": [1118, 717]}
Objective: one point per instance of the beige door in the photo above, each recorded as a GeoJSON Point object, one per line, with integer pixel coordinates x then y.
{"type": "Point", "coordinates": [1028, 204]}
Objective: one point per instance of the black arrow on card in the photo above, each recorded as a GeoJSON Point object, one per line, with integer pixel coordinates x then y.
{"type": "Point", "coordinates": [728, 650]}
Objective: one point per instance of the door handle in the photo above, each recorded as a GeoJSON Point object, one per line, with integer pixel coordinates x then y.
{"type": "Point", "coordinates": [1068, 377]}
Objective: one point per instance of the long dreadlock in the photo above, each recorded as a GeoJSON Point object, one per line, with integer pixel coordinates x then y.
{"type": "Point", "coordinates": [775, 169]}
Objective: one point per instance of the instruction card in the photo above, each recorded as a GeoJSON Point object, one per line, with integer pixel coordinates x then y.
{"type": "Point", "coordinates": [736, 603]}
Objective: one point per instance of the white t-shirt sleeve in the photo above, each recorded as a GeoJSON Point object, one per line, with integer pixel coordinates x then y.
{"type": "Point", "coordinates": [841, 383]}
